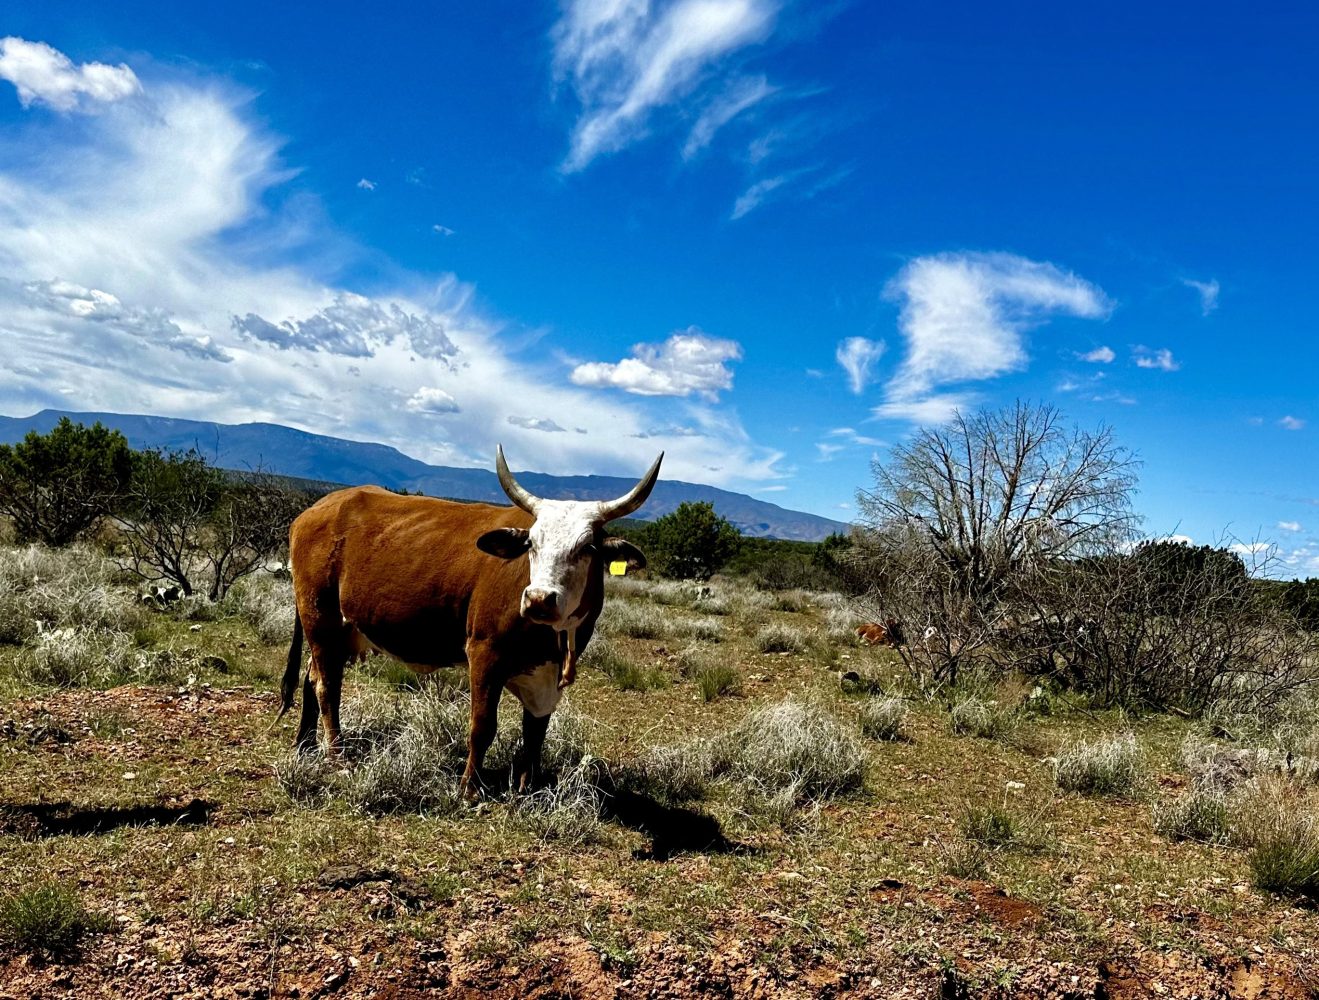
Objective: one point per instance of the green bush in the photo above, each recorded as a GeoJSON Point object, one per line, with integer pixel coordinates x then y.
{"type": "Point", "coordinates": [691, 543]}
{"type": "Point", "coordinates": [48, 920]}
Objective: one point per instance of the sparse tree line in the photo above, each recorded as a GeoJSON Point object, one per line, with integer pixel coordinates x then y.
{"type": "Point", "coordinates": [1005, 541]}
{"type": "Point", "coordinates": [164, 516]}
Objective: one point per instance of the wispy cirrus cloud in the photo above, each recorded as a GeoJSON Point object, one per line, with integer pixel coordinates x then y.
{"type": "Point", "coordinates": [740, 95]}
{"type": "Point", "coordinates": [44, 75]}
{"type": "Point", "coordinates": [1208, 292]}
{"type": "Point", "coordinates": [689, 363]}
{"type": "Point", "coordinates": [858, 356]}
{"type": "Point", "coordinates": [215, 309]}
{"type": "Point", "coordinates": [629, 59]}
{"type": "Point", "coordinates": [1291, 526]}
{"type": "Point", "coordinates": [963, 317]}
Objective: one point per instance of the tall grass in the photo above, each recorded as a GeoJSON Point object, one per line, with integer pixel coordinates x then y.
{"type": "Point", "coordinates": [1115, 766]}
{"type": "Point", "coordinates": [791, 747]}
{"type": "Point", "coordinates": [44, 589]}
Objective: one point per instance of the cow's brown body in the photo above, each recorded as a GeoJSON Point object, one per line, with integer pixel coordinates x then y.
{"type": "Point", "coordinates": [403, 574]}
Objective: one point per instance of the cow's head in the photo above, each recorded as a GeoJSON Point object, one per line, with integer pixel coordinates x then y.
{"type": "Point", "coordinates": [564, 544]}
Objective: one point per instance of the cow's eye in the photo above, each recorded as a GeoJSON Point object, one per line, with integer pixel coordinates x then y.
{"type": "Point", "coordinates": [589, 549]}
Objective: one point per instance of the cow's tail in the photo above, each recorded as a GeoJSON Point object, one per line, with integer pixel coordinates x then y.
{"type": "Point", "coordinates": [289, 685]}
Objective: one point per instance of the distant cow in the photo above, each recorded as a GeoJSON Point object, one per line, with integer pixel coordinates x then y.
{"type": "Point", "coordinates": [875, 634]}
{"type": "Point", "coordinates": [513, 591]}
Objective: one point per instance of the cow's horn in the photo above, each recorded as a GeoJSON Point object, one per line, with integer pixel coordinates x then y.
{"type": "Point", "coordinates": [625, 505]}
{"type": "Point", "coordinates": [527, 501]}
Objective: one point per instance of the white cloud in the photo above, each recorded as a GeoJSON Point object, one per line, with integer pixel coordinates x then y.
{"type": "Point", "coordinates": [1161, 359]}
{"type": "Point", "coordinates": [740, 95]}
{"type": "Point", "coordinates": [129, 243]}
{"type": "Point", "coordinates": [441, 230]}
{"type": "Point", "coordinates": [356, 327]}
{"type": "Point", "coordinates": [536, 424]}
{"type": "Point", "coordinates": [858, 355]}
{"type": "Point", "coordinates": [751, 199]}
{"type": "Point", "coordinates": [1208, 291]}
{"type": "Point", "coordinates": [963, 316]}
{"type": "Point", "coordinates": [366, 185]}
{"type": "Point", "coordinates": [687, 363]}
{"type": "Point", "coordinates": [853, 437]}
{"type": "Point", "coordinates": [1100, 355]}
{"type": "Point", "coordinates": [430, 399]}
{"type": "Point", "coordinates": [1291, 423]}
{"type": "Point", "coordinates": [770, 489]}
{"type": "Point", "coordinates": [827, 450]}
{"type": "Point", "coordinates": [44, 75]}
{"type": "Point", "coordinates": [1292, 526]}
{"type": "Point", "coordinates": [627, 59]}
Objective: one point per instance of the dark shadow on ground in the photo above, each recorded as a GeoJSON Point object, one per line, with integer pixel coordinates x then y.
{"type": "Point", "coordinates": [55, 819]}
{"type": "Point", "coordinates": [672, 829]}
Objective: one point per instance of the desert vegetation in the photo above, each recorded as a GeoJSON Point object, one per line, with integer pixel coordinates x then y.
{"type": "Point", "coordinates": [1030, 799]}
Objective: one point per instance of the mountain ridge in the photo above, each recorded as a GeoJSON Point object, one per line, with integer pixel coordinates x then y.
{"type": "Point", "coordinates": [288, 451]}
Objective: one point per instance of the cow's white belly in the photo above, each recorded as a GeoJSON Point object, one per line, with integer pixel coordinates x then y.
{"type": "Point", "coordinates": [538, 690]}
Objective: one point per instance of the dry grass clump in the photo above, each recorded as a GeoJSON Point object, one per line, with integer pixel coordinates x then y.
{"type": "Point", "coordinates": [567, 811]}
{"type": "Point", "coordinates": [669, 775]}
{"type": "Point", "coordinates": [1115, 766]}
{"type": "Point", "coordinates": [634, 620]}
{"type": "Point", "coordinates": [1278, 822]}
{"type": "Point", "coordinates": [793, 601]}
{"type": "Point", "coordinates": [715, 680]}
{"type": "Point", "coordinates": [972, 716]}
{"type": "Point", "coordinates": [703, 629]}
{"type": "Point", "coordinates": [794, 749]}
{"type": "Point", "coordinates": [626, 673]}
{"type": "Point", "coordinates": [265, 601]}
{"type": "Point", "coordinates": [48, 920]}
{"type": "Point", "coordinates": [882, 718]}
{"type": "Point", "coordinates": [43, 589]}
{"type": "Point", "coordinates": [86, 657]}
{"type": "Point", "coordinates": [1200, 814]}
{"type": "Point", "coordinates": [780, 638]}
{"type": "Point", "coordinates": [673, 593]}
{"type": "Point", "coordinates": [713, 604]}
{"type": "Point", "coordinates": [840, 623]}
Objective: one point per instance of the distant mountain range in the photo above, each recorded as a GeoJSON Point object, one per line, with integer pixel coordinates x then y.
{"type": "Point", "coordinates": [288, 452]}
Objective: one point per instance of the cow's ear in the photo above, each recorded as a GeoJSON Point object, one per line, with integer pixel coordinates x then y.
{"type": "Point", "coordinates": [619, 549]}
{"type": "Point", "coordinates": [506, 543]}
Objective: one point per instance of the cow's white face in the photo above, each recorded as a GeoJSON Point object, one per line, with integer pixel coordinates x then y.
{"type": "Point", "coordinates": [564, 546]}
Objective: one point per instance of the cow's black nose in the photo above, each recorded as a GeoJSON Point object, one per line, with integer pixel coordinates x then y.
{"type": "Point", "coordinates": [542, 605]}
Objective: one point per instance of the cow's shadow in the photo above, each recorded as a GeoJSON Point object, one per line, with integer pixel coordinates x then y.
{"type": "Point", "coordinates": [54, 819]}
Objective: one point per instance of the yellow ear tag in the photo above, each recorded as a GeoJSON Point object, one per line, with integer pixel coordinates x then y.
{"type": "Point", "coordinates": [618, 568]}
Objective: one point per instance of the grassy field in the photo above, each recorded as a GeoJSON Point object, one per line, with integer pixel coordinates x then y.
{"type": "Point", "coordinates": [747, 804]}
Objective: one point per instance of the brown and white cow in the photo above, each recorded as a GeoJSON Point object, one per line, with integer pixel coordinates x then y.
{"type": "Point", "coordinates": [514, 591]}
{"type": "Point", "coordinates": [875, 634]}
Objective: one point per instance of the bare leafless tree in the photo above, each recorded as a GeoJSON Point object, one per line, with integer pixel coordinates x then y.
{"type": "Point", "coordinates": [996, 491]}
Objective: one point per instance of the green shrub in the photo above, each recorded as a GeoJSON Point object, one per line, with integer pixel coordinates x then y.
{"type": "Point", "coordinates": [1285, 857]}
{"type": "Point", "coordinates": [713, 680]}
{"type": "Point", "coordinates": [47, 920]}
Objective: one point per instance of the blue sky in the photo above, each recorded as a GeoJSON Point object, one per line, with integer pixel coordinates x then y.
{"type": "Point", "coordinates": [770, 238]}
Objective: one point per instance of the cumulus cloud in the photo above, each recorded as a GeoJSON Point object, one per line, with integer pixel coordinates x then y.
{"type": "Point", "coordinates": [536, 424]}
{"type": "Point", "coordinates": [857, 355]}
{"type": "Point", "coordinates": [366, 185]}
{"type": "Point", "coordinates": [1292, 526]}
{"type": "Point", "coordinates": [963, 316]}
{"type": "Point", "coordinates": [1161, 359]}
{"type": "Point", "coordinates": [740, 95]}
{"type": "Point", "coordinates": [44, 75]}
{"type": "Point", "coordinates": [354, 326]}
{"type": "Point", "coordinates": [1208, 292]}
{"type": "Point", "coordinates": [689, 362]}
{"type": "Point", "coordinates": [430, 399]}
{"type": "Point", "coordinates": [109, 302]}
{"type": "Point", "coordinates": [627, 59]}
{"type": "Point", "coordinates": [1099, 356]}
{"type": "Point", "coordinates": [1290, 423]}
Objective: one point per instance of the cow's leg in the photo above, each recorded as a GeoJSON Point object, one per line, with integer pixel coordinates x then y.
{"type": "Point", "coordinates": [533, 741]}
{"type": "Point", "coordinates": [329, 689]}
{"type": "Point", "coordinates": [311, 715]}
{"type": "Point", "coordinates": [485, 715]}
{"type": "Point", "coordinates": [539, 692]}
